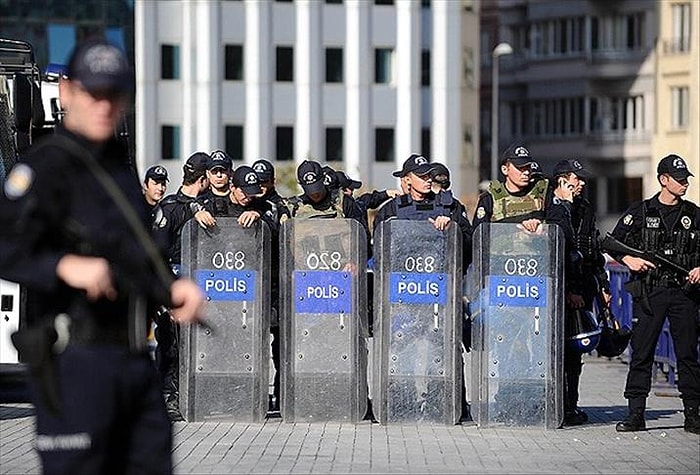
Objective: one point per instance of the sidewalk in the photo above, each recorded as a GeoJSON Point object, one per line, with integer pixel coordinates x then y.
{"type": "Point", "coordinates": [279, 447]}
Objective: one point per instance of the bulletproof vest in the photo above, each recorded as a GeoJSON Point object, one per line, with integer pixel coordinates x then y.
{"type": "Point", "coordinates": [431, 207]}
{"type": "Point", "coordinates": [507, 206]}
{"type": "Point", "coordinates": [303, 209]}
{"type": "Point", "coordinates": [680, 243]}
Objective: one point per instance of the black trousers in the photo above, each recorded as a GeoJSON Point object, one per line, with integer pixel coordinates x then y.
{"type": "Point", "coordinates": [112, 417]}
{"type": "Point", "coordinates": [682, 314]}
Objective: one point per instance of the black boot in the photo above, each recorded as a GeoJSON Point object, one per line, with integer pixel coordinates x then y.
{"type": "Point", "coordinates": [692, 420]}
{"type": "Point", "coordinates": [172, 404]}
{"type": "Point", "coordinates": [633, 423]}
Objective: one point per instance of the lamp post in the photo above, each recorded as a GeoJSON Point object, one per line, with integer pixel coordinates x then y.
{"type": "Point", "coordinates": [500, 50]}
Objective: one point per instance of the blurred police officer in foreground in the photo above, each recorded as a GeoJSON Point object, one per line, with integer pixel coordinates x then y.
{"type": "Point", "coordinates": [272, 205]}
{"type": "Point", "coordinates": [171, 214]}
{"type": "Point", "coordinates": [155, 184]}
{"type": "Point", "coordinates": [74, 229]}
{"type": "Point", "coordinates": [587, 279]}
{"type": "Point", "coordinates": [668, 225]}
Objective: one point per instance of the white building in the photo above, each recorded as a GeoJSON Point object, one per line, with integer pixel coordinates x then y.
{"type": "Point", "coordinates": [359, 84]}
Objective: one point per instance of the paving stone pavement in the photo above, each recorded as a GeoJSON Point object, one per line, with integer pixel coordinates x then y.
{"type": "Point", "coordinates": [279, 447]}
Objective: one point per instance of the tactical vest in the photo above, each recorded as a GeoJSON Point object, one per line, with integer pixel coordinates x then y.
{"type": "Point", "coordinates": [681, 245]}
{"type": "Point", "coordinates": [301, 209]}
{"type": "Point", "coordinates": [440, 205]}
{"type": "Point", "coordinates": [506, 206]}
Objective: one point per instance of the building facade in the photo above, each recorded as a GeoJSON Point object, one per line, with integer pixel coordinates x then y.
{"type": "Point", "coordinates": [358, 84]}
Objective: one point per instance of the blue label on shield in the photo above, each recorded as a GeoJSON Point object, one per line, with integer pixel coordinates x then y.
{"type": "Point", "coordinates": [417, 287]}
{"type": "Point", "coordinates": [322, 292]}
{"type": "Point", "coordinates": [517, 291]}
{"type": "Point", "coordinates": [227, 284]}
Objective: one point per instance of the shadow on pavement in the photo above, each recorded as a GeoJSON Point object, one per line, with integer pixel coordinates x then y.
{"type": "Point", "coordinates": [15, 411]}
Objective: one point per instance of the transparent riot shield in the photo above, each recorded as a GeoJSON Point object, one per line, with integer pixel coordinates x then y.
{"type": "Point", "coordinates": [323, 320]}
{"type": "Point", "coordinates": [224, 369]}
{"type": "Point", "coordinates": [517, 326]}
{"type": "Point", "coordinates": [418, 323]}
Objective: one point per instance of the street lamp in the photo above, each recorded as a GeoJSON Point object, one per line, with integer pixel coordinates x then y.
{"type": "Point", "coordinates": [500, 50]}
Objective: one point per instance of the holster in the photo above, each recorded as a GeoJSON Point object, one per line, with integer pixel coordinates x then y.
{"type": "Point", "coordinates": [35, 343]}
{"type": "Point", "coordinates": [638, 290]}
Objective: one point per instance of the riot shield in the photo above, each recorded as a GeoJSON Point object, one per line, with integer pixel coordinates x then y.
{"type": "Point", "coordinates": [224, 369]}
{"type": "Point", "coordinates": [418, 323]}
{"type": "Point", "coordinates": [517, 327]}
{"type": "Point", "coordinates": [323, 320]}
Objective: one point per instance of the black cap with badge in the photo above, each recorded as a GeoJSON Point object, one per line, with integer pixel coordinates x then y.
{"type": "Point", "coordinates": [197, 163]}
{"type": "Point", "coordinates": [100, 67]}
{"type": "Point", "coordinates": [310, 177]}
{"type": "Point", "coordinates": [264, 169]}
{"type": "Point", "coordinates": [518, 155]}
{"type": "Point", "coordinates": [347, 183]}
{"type": "Point", "coordinates": [156, 173]}
{"type": "Point", "coordinates": [675, 166]}
{"type": "Point", "coordinates": [220, 159]}
{"type": "Point", "coordinates": [330, 178]}
{"type": "Point", "coordinates": [564, 167]}
{"type": "Point", "coordinates": [417, 164]}
{"type": "Point", "coordinates": [245, 178]}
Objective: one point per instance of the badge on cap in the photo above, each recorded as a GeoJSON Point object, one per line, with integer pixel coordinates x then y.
{"type": "Point", "coordinates": [218, 155]}
{"type": "Point", "coordinates": [19, 181]}
{"type": "Point", "coordinates": [521, 152]}
{"type": "Point", "coordinates": [309, 177]}
{"type": "Point", "coordinates": [420, 160]}
{"type": "Point", "coordinates": [259, 168]}
{"type": "Point", "coordinates": [251, 178]}
{"type": "Point", "coordinates": [577, 165]}
{"type": "Point", "coordinates": [679, 163]}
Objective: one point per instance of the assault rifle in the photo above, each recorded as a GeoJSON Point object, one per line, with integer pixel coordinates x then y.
{"type": "Point", "coordinates": [611, 244]}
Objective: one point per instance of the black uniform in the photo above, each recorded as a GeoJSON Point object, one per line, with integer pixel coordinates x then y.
{"type": "Point", "coordinates": [171, 214]}
{"type": "Point", "coordinates": [217, 205]}
{"type": "Point", "coordinates": [672, 231]}
{"type": "Point", "coordinates": [110, 415]}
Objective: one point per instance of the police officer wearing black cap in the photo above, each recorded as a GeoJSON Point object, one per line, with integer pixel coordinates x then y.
{"type": "Point", "coordinates": [74, 231]}
{"type": "Point", "coordinates": [668, 225]}
{"type": "Point", "coordinates": [171, 214]}
{"type": "Point", "coordinates": [155, 184]}
{"type": "Point", "coordinates": [586, 278]}
{"type": "Point", "coordinates": [216, 198]}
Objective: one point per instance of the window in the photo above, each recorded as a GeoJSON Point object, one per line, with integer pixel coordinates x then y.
{"type": "Point", "coordinates": [425, 141]}
{"type": "Point", "coordinates": [340, 2]}
{"type": "Point", "coordinates": [285, 63]}
{"type": "Point", "coordinates": [170, 142]}
{"type": "Point", "coordinates": [382, 66]}
{"type": "Point", "coordinates": [384, 145]}
{"type": "Point", "coordinates": [617, 114]}
{"type": "Point", "coordinates": [233, 62]}
{"type": "Point", "coordinates": [383, 2]}
{"type": "Point", "coordinates": [680, 43]}
{"type": "Point", "coordinates": [334, 144]}
{"type": "Point", "coordinates": [334, 65]}
{"type": "Point", "coordinates": [284, 140]}
{"type": "Point", "coordinates": [680, 103]}
{"type": "Point", "coordinates": [169, 62]}
{"type": "Point", "coordinates": [617, 33]}
{"type": "Point", "coordinates": [233, 141]}
{"type": "Point", "coordinates": [425, 68]}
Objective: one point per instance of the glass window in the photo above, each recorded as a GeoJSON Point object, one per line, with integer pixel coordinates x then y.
{"type": "Point", "coordinates": [334, 144]}
{"type": "Point", "coordinates": [680, 103]}
{"type": "Point", "coordinates": [170, 142]}
{"type": "Point", "coordinates": [383, 2]}
{"type": "Point", "coordinates": [233, 136]}
{"type": "Point", "coordinates": [334, 65]}
{"type": "Point", "coordinates": [425, 68]}
{"type": "Point", "coordinates": [169, 61]}
{"type": "Point", "coordinates": [285, 63]}
{"type": "Point", "coordinates": [425, 141]}
{"type": "Point", "coordinates": [681, 28]}
{"type": "Point", "coordinates": [382, 66]}
{"type": "Point", "coordinates": [284, 140]}
{"type": "Point", "coordinates": [334, 1]}
{"type": "Point", "coordinates": [384, 144]}
{"type": "Point", "coordinates": [233, 62]}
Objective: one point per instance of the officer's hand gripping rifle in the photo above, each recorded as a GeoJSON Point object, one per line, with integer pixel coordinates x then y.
{"type": "Point", "coordinates": [613, 245]}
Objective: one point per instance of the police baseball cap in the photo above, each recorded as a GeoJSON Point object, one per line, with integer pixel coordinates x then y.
{"type": "Point", "coordinates": [310, 177]}
{"type": "Point", "coordinates": [330, 178]}
{"type": "Point", "coordinates": [100, 67]}
{"type": "Point", "coordinates": [245, 178]}
{"type": "Point", "coordinates": [197, 162]}
{"type": "Point", "coordinates": [536, 170]}
{"type": "Point", "coordinates": [345, 182]}
{"type": "Point", "coordinates": [264, 169]}
{"type": "Point", "coordinates": [417, 164]}
{"type": "Point", "coordinates": [518, 155]}
{"type": "Point", "coordinates": [220, 159]}
{"type": "Point", "coordinates": [674, 166]}
{"type": "Point", "coordinates": [564, 167]}
{"type": "Point", "coordinates": [440, 174]}
{"type": "Point", "coordinates": [156, 173]}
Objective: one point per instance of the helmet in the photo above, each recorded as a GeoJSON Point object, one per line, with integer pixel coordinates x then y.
{"type": "Point", "coordinates": [582, 330]}
{"type": "Point", "coordinates": [613, 338]}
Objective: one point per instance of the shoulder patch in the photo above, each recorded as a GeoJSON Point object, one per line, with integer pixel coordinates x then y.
{"type": "Point", "coordinates": [19, 181]}
{"type": "Point", "coordinates": [480, 212]}
{"type": "Point", "coordinates": [627, 220]}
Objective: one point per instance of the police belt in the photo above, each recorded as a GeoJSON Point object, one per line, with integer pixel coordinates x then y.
{"type": "Point", "coordinates": [665, 280]}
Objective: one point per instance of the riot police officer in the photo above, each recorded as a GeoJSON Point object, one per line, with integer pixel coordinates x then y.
{"type": "Point", "coordinates": [171, 214]}
{"type": "Point", "coordinates": [155, 184]}
{"type": "Point", "coordinates": [216, 197]}
{"type": "Point", "coordinates": [669, 225]}
{"type": "Point", "coordinates": [75, 232]}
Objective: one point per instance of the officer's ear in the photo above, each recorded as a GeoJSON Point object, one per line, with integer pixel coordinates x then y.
{"type": "Point", "coordinates": [504, 168]}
